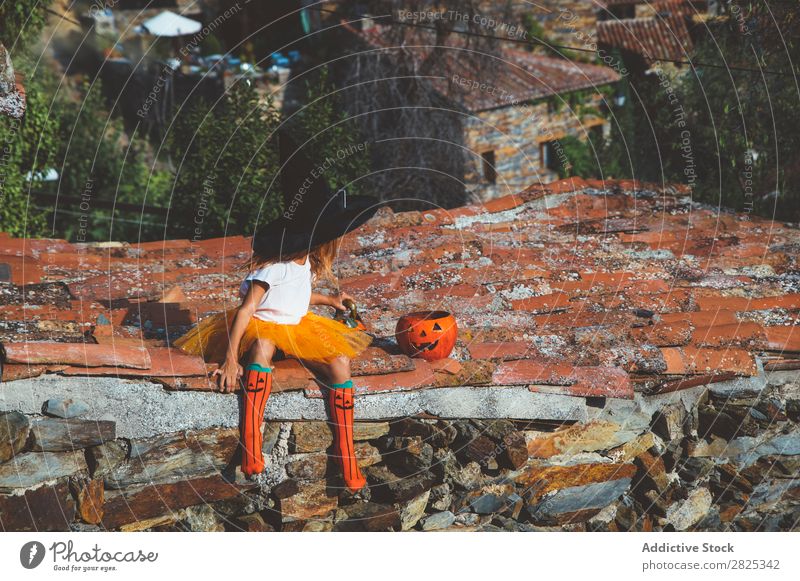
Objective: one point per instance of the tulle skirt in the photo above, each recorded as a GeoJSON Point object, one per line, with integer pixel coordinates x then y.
{"type": "Point", "coordinates": [314, 338]}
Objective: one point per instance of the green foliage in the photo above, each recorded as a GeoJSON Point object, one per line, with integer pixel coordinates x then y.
{"type": "Point", "coordinates": [90, 143]}
{"type": "Point", "coordinates": [226, 159]}
{"type": "Point", "coordinates": [21, 21]}
{"type": "Point", "coordinates": [734, 113]}
{"type": "Point", "coordinates": [333, 136]}
{"type": "Point", "coordinates": [101, 166]}
{"type": "Point", "coordinates": [703, 126]}
{"type": "Point", "coordinates": [579, 156]}
{"type": "Point", "coordinates": [25, 146]}
{"type": "Point", "coordinates": [535, 32]}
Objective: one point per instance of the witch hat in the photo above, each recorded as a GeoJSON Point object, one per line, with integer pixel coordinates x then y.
{"type": "Point", "coordinates": [312, 213]}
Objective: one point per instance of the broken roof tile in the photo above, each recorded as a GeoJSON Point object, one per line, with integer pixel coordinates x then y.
{"type": "Point", "coordinates": [164, 362]}
{"type": "Point", "coordinates": [565, 379]}
{"type": "Point", "coordinates": [85, 354]}
{"type": "Point", "coordinates": [690, 360]}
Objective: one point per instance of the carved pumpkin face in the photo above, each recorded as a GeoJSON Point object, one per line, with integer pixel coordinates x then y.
{"type": "Point", "coordinates": [430, 335]}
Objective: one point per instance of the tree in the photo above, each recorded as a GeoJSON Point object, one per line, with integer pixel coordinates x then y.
{"type": "Point", "coordinates": [26, 149]}
{"type": "Point", "coordinates": [390, 89]}
{"type": "Point", "coordinates": [334, 137]}
{"type": "Point", "coordinates": [226, 162]}
{"type": "Point", "coordinates": [745, 125]}
{"type": "Point", "coordinates": [22, 21]}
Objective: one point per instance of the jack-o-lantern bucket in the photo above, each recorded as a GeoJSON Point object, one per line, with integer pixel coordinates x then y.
{"type": "Point", "coordinates": [430, 335]}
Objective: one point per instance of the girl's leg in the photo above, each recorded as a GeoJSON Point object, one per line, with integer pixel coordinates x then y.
{"type": "Point", "coordinates": [255, 392]}
{"type": "Point", "coordinates": [340, 398]}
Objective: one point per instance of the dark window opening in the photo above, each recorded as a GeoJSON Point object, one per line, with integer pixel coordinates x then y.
{"type": "Point", "coordinates": [596, 134]}
{"type": "Point", "coordinates": [548, 154]}
{"type": "Point", "coordinates": [489, 170]}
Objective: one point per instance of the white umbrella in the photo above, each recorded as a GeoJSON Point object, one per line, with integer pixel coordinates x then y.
{"type": "Point", "coordinates": [170, 24]}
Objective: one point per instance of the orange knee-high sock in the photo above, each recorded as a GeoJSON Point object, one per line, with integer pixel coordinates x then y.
{"type": "Point", "coordinates": [341, 403]}
{"type": "Point", "coordinates": [257, 387]}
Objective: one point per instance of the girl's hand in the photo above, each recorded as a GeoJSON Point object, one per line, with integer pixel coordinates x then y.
{"type": "Point", "coordinates": [228, 376]}
{"type": "Point", "coordinates": [337, 301]}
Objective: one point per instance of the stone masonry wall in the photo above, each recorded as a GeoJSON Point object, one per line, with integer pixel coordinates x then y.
{"type": "Point", "coordinates": [718, 457]}
{"type": "Point", "coordinates": [515, 134]}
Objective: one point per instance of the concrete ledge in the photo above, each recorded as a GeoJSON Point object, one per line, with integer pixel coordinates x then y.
{"type": "Point", "coordinates": [143, 409]}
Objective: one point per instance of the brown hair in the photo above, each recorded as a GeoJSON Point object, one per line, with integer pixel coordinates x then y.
{"type": "Point", "coordinates": [321, 257]}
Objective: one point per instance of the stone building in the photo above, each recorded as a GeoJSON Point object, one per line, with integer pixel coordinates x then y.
{"type": "Point", "coordinates": [511, 111]}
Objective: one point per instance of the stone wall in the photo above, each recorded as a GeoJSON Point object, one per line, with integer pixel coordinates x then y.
{"type": "Point", "coordinates": [718, 457]}
{"type": "Point", "coordinates": [516, 133]}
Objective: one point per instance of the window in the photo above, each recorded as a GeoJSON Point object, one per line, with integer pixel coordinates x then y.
{"type": "Point", "coordinates": [596, 134]}
{"type": "Point", "coordinates": [548, 154]}
{"type": "Point", "coordinates": [489, 170]}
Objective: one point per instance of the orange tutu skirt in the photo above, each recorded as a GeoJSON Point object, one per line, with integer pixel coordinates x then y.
{"type": "Point", "coordinates": [314, 338]}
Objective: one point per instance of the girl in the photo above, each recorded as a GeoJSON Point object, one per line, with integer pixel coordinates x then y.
{"type": "Point", "coordinates": [288, 255]}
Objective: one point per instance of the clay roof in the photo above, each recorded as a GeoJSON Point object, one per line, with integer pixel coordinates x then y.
{"type": "Point", "coordinates": [581, 288]}
{"type": "Point", "coordinates": [653, 38]}
{"type": "Point", "coordinates": [518, 75]}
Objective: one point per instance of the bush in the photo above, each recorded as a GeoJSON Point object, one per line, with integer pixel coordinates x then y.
{"type": "Point", "coordinates": [332, 135]}
{"type": "Point", "coordinates": [225, 158]}
{"type": "Point", "coordinates": [22, 21]}
{"type": "Point", "coordinates": [101, 166]}
{"type": "Point", "coordinates": [26, 148]}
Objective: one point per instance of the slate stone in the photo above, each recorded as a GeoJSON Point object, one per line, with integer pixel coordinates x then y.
{"type": "Point", "coordinates": [682, 515]}
{"type": "Point", "coordinates": [581, 437]}
{"type": "Point", "coordinates": [55, 434]}
{"type": "Point", "coordinates": [515, 450]}
{"type": "Point", "coordinates": [413, 511]}
{"type": "Point", "coordinates": [311, 466]}
{"type": "Point", "coordinates": [575, 499]}
{"type": "Point", "coordinates": [440, 498]}
{"type": "Point", "coordinates": [31, 468]}
{"type": "Point", "coordinates": [47, 508]}
{"type": "Point", "coordinates": [439, 520]}
{"type": "Point", "coordinates": [313, 436]}
{"type": "Point", "coordinates": [90, 496]}
{"type": "Point", "coordinates": [253, 523]}
{"type": "Point", "coordinates": [693, 469]}
{"type": "Point", "coordinates": [176, 456]}
{"type": "Point", "coordinates": [388, 487]}
{"type": "Point", "coordinates": [103, 459]}
{"type": "Point", "coordinates": [66, 408]}
{"type": "Point", "coordinates": [409, 454]}
{"type": "Point", "coordinates": [668, 422]}
{"type": "Point", "coordinates": [138, 505]}
{"type": "Point", "coordinates": [309, 500]}
{"type": "Point", "coordinates": [271, 433]}
{"type": "Point", "coordinates": [370, 516]}
{"type": "Point", "coordinates": [487, 504]}
{"type": "Point", "coordinates": [14, 430]}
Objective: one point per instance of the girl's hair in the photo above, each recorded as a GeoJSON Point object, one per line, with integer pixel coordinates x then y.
{"type": "Point", "coordinates": [321, 257]}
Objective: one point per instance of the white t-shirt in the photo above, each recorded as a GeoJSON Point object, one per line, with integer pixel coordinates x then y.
{"type": "Point", "coordinates": [289, 294]}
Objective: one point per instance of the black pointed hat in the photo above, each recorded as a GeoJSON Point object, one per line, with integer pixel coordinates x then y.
{"type": "Point", "coordinates": [312, 213]}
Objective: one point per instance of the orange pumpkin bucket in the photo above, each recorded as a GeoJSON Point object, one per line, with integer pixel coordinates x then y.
{"type": "Point", "coordinates": [430, 335]}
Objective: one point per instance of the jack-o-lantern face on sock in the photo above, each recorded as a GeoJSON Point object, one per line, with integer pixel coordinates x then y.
{"type": "Point", "coordinates": [430, 335]}
{"type": "Point", "coordinates": [341, 401]}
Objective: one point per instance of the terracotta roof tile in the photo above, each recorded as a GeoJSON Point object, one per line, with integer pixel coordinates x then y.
{"type": "Point", "coordinates": [654, 38]}
{"type": "Point", "coordinates": [164, 362]}
{"type": "Point", "coordinates": [520, 75]}
{"type": "Point", "coordinates": [581, 288]}
{"type": "Point", "coordinates": [86, 354]}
